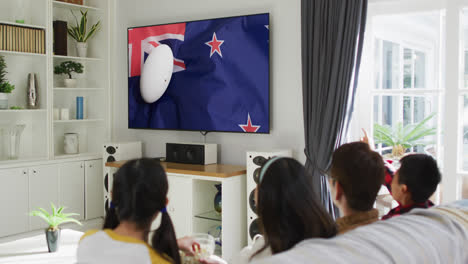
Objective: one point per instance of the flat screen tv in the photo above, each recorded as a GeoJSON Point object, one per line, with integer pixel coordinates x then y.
{"type": "Point", "coordinates": [220, 78]}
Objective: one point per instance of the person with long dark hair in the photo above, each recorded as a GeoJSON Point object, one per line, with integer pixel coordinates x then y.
{"type": "Point", "coordinates": [288, 211]}
{"type": "Point", "coordinates": [139, 194]}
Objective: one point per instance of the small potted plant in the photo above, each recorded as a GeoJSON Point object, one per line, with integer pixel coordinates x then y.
{"type": "Point", "coordinates": [5, 86]}
{"type": "Point", "coordinates": [56, 218]}
{"type": "Point", "coordinates": [81, 34]}
{"type": "Point", "coordinates": [400, 138]}
{"type": "Point", "coordinates": [68, 67]}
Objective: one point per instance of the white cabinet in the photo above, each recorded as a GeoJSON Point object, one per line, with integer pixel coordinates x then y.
{"type": "Point", "coordinates": [43, 189]}
{"type": "Point", "coordinates": [180, 204]}
{"type": "Point", "coordinates": [14, 204]}
{"type": "Point", "coordinates": [94, 185]}
{"type": "Point", "coordinates": [191, 206]}
{"type": "Point", "coordinates": [72, 180]}
{"type": "Point", "coordinates": [76, 185]}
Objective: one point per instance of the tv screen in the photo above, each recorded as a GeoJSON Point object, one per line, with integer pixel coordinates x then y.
{"type": "Point", "coordinates": [220, 77]}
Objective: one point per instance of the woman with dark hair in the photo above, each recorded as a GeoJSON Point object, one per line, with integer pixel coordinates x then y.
{"type": "Point", "coordinates": [139, 194]}
{"type": "Point", "coordinates": [288, 211]}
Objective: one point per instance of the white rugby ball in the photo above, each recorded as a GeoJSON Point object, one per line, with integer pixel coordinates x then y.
{"type": "Point", "coordinates": [156, 73]}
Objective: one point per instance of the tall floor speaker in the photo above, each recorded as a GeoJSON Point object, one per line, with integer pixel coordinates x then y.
{"type": "Point", "coordinates": [115, 152]}
{"type": "Point", "coordinates": [255, 159]}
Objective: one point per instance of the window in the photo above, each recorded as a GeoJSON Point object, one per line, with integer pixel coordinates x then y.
{"type": "Point", "coordinates": [405, 90]}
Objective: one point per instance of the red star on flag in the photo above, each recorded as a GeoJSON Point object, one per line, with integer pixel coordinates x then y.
{"type": "Point", "coordinates": [215, 45]}
{"type": "Point", "coordinates": [249, 127]}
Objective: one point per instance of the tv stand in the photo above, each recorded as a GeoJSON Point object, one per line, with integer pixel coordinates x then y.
{"type": "Point", "coordinates": [191, 195]}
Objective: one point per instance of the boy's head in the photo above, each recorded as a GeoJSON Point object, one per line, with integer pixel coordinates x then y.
{"type": "Point", "coordinates": [416, 179]}
{"type": "Point", "coordinates": [357, 174]}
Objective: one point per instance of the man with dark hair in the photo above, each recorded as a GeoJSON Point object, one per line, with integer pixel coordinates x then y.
{"type": "Point", "coordinates": [414, 182]}
{"type": "Point", "coordinates": [356, 173]}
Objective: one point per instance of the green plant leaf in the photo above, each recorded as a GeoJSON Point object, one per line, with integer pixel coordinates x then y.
{"type": "Point", "coordinates": [57, 217]}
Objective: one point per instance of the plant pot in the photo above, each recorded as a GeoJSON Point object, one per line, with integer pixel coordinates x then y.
{"type": "Point", "coordinates": [70, 83]}
{"type": "Point", "coordinates": [53, 239]}
{"type": "Point", "coordinates": [82, 49]}
{"type": "Point", "coordinates": [3, 101]}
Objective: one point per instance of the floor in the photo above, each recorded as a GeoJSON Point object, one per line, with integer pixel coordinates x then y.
{"type": "Point", "coordinates": [31, 247]}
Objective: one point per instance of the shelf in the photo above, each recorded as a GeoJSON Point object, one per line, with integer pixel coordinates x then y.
{"type": "Point", "coordinates": [23, 111]}
{"type": "Point", "coordinates": [77, 89]}
{"type": "Point", "coordinates": [21, 25]}
{"type": "Point", "coordinates": [212, 215]}
{"type": "Point", "coordinates": [76, 58]}
{"type": "Point", "coordinates": [75, 6]}
{"type": "Point", "coordinates": [16, 162]}
{"type": "Point", "coordinates": [77, 121]}
{"type": "Point", "coordinates": [79, 155]}
{"type": "Point", "coordinates": [22, 53]}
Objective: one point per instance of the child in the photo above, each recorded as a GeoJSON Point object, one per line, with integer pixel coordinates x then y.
{"type": "Point", "coordinates": [138, 195]}
{"type": "Point", "coordinates": [288, 210]}
{"type": "Point", "coordinates": [414, 182]}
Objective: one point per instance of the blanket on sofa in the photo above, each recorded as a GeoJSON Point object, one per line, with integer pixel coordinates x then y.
{"type": "Point", "coordinates": [436, 235]}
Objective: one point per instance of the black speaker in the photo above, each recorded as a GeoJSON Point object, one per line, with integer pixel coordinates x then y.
{"type": "Point", "coordinates": [201, 154]}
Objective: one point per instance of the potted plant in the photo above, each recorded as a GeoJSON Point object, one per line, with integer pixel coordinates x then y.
{"type": "Point", "coordinates": [68, 67]}
{"type": "Point", "coordinates": [56, 218]}
{"type": "Point", "coordinates": [80, 33]}
{"type": "Point", "coordinates": [5, 86]}
{"type": "Point", "coordinates": [400, 138]}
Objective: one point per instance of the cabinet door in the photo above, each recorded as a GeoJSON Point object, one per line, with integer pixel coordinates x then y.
{"type": "Point", "coordinates": [14, 201]}
{"type": "Point", "coordinates": [72, 187]}
{"type": "Point", "coordinates": [94, 196]}
{"type": "Point", "coordinates": [43, 189]}
{"type": "Point", "coordinates": [180, 204]}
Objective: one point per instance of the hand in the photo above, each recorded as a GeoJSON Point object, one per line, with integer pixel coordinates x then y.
{"type": "Point", "coordinates": [366, 139]}
{"type": "Point", "coordinates": [213, 259]}
{"type": "Point", "coordinates": [187, 245]}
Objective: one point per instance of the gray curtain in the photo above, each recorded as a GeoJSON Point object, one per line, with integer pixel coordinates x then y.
{"type": "Point", "coordinates": [332, 40]}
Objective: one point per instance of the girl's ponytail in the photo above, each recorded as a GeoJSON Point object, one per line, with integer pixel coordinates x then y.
{"type": "Point", "coordinates": [112, 220]}
{"type": "Point", "coordinates": [164, 240]}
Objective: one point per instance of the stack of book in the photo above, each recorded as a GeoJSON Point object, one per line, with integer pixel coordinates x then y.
{"type": "Point", "coordinates": [22, 39]}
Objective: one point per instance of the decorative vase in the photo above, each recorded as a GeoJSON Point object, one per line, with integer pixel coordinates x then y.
{"type": "Point", "coordinates": [217, 199]}
{"type": "Point", "coordinates": [53, 239]}
{"type": "Point", "coordinates": [82, 49]}
{"type": "Point", "coordinates": [70, 83]}
{"type": "Point", "coordinates": [3, 101]}
{"type": "Point", "coordinates": [70, 144]}
{"type": "Point", "coordinates": [32, 91]}
{"type": "Point", "coordinates": [12, 140]}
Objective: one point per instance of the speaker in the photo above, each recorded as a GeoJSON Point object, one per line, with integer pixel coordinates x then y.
{"type": "Point", "coordinates": [114, 152]}
{"type": "Point", "coordinates": [192, 153]}
{"type": "Point", "coordinates": [255, 160]}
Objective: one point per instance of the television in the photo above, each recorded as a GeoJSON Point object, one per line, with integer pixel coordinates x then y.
{"type": "Point", "coordinates": [220, 78]}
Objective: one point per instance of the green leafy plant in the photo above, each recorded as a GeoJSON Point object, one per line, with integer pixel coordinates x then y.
{"type": "Point", "coordinates": [16, 108]}
{"type": "Point", "coordinates": [56, 218]}
{"type": "Point", "coordinates": [5, 86]}
{"type": "Point", "coordinates": [79, 32]}
{"type": "Point", "coordinates": [403, 137]}
{"type": "Point", "coordinates": [68, 67]}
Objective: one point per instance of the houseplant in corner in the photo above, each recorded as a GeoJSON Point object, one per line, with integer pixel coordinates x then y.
{"type": "Point", "coordinates": [5, 86]}
{"type": "Point", "coordinates": [80, 33]}
{"type": "Point", "coordinates": [67, 68]}
{"type": "Point", "coordinates": [56, 218]}
{"type": "Point", "coordinates": [400, 137]}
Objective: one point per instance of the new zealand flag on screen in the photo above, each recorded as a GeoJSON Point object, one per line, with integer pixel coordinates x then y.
{"type": "Point", "coordinates": [220, 80]}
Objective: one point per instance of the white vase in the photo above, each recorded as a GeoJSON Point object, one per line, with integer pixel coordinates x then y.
{"type": "Point", "coordinates": [70, 143]}
{"type": "Point", "coordinates": [70, 83]}
{"type": "Point", "coordinates": [82, 49]}
{"type": "Point", "coordinates": [3, 101]}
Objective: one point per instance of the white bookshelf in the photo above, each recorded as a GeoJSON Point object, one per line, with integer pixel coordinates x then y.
{"type": "Point", "coordinates": [43, 136]}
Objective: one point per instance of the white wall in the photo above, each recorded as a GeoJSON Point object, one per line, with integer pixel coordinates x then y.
{"type": "Point", "coordinates": [287, 129]}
